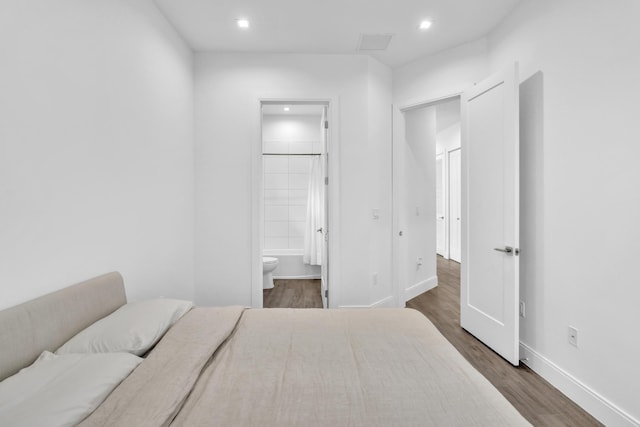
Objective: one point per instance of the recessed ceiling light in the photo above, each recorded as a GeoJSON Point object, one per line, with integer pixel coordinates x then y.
{"type": "Point", "coordinates": [425, 25]}
{"type": "Point", "coordinates": [286, 108]}
{"type": "Point", "coordinates": [243, 23]}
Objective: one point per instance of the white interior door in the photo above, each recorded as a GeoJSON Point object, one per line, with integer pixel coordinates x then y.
{"type": "Point", "coordinates": [441, 236]}
{"type": "Point", "coordinates": [455, 205]}
{"type": "Point", "coordinates": [490, 197]}
{"type": "Point", "coordinates": [324, 268]}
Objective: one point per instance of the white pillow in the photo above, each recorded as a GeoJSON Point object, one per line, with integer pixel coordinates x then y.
{"type": "Point", "coordinates": [133, 328]}
{"type": "Point", "coordinates": [62, 390]}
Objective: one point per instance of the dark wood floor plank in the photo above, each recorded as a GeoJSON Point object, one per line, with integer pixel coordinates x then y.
{"type": "Point", "coordinates": [537, 400]}
{"type": "Point", "coordinates": [293, 293]}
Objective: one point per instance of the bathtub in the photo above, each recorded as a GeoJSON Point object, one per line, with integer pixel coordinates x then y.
{"type": "Point", "coordinates": [290, 265]}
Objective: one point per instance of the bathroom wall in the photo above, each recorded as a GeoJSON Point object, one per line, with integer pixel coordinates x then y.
{"type": "Point", "coordinates": [292, 267]}
{"type": "Point", "coordinates": [286, 179]}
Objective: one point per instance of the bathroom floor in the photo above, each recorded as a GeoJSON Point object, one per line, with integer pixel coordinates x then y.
{"type": "Point", "coordinates": [293, 293]}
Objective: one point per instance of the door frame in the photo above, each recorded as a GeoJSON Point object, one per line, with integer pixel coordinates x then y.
{"type": "Point", "coordinates": [448, 215]}
{"type": "Point", "coordinates": [257, 196]}
{"type": "Point", "coordinates": [397, 141]}
{"type": "Point", "coordinates": [445, 203]}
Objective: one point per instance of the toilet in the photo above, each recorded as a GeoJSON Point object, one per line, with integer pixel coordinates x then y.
{"type": "Point", "coordinates": [268, 265]}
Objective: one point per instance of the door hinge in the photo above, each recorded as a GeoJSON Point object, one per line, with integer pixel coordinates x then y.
{"type": "Point", "coordinates": [326, 180]}
{"type": "Point", "coordinates": [326, 124]}
{"type": "Point", "coordinates": [326, 293]}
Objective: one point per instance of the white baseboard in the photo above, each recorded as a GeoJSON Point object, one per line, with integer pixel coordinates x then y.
{"type": "Point", "coordinates": [592, 402]}
{"type": "Point", "coordinates": [420, 287]}
{"type": "Point", "coordinates": [385, 302]}
{"type": "Point", "coordinates": [313, 276]}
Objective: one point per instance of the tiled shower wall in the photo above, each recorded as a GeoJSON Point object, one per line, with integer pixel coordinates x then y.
{"type": "Point", "coordinates": [286, 179]}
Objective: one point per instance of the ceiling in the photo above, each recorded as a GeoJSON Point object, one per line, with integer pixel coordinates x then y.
{"type": "Point", "coordinates": [333, 26]}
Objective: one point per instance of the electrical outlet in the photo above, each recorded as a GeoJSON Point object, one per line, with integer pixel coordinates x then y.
{"type": "Point", "coordinates": [419, 261]}
{"type": "Point", "coordinates": [374, 279]}
{"type": "Point", "coordinates": [375, 213]}
{"type": "Point", "coordinates": [573, 336]}
{"type": "Point", "coordinates": [522, 309]}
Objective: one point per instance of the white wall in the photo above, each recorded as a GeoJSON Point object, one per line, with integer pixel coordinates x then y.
{"type": "Point", "coordinates": [286, 179]}
{"type": "Point", "coordinates": [448, 139]}
{"type": "Point", "coordinates": [579, 198]}
{"type": "Point", "coordinates": [96, 148]}
{"type": "Point", "coordinates": [579, 67]}
{"type": "Point", "coordinates": [442, 75]}
{"type": "Point", "coordinates": [228, 89]}
{"type": "Point", "coordinates": [448, 125]}
{"type": "Point", "coordinates": [303, 129]}
{"type": "Point", "coordinates": [292, 267]}
{"type": "Point", "coordinates": [417, 207]}
{"type": "Point", "coordinates": [378, 156]}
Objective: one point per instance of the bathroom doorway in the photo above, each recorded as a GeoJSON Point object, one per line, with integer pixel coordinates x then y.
{"type": "Point", "coordinates": [295, 214]}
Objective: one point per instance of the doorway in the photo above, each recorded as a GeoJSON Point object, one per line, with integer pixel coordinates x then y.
{"type": "Point", "coordinates": [448, 179]}
{"type": "Point", "coordinates": [295, 214]}
{"type": "Point", "coordinates": [426, 185]}
{"type": "Point", "coordinates": [489, 219]}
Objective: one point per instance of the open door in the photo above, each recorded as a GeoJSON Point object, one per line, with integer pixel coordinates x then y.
{"type": "Point", "coordinates": [324, 268]}
{"type": "Point", "coordinates": [441, 229]}
{"type": "Point", "coordinates": [455, 205]}
{"type": "Point", "coordinates": [490, 196]}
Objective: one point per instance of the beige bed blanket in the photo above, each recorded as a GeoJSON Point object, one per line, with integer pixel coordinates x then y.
{"type": "Point", "coordinates": [287, 367]}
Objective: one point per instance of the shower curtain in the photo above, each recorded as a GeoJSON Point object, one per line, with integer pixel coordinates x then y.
{"type": "Point", "coordinates": [314, 235]}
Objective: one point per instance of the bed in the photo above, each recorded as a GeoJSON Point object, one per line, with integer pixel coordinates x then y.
{"type": "Point", "coordinates": [234, 366]}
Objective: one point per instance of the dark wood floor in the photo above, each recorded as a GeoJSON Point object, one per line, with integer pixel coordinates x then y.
{"type": "Point", "coordinates": [537, 400]}
{"type": "Point", "coordinates": [290, 293]}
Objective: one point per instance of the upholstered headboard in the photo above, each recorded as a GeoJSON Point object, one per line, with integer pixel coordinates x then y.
{"type": "Point", "coordinates": [47, 322]}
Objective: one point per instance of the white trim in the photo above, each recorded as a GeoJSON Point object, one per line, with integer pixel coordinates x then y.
{"type": "Point", "coordinates": [590, 400]}
{"type": "Point", "coordinates": [420, 287]}
{"type": "Point", "coordinates": [396, 125]}
{"type": "Point", "coordinates": [429, 102]}
{"type": "Point", "coordinates": [385, 302]}
{"type": "Point", "coordinates": [333, 221]}
{"type": "Point", "coordinates": [448, 198]}
{"type": "Point", "coordinates": [257, 218]}
{"type": "Point", "coordinates": [312, 276]}
{"type": "Point", "coordinates": [445, 203]}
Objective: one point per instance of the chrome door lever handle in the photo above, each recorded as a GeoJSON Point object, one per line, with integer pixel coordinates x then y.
{"type": "Point", "coordinates": [319, 230]}
{"type": "Point", "coordinates": [506, 249]}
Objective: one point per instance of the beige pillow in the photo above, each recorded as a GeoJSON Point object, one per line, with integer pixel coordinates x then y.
{"type": "Point", "coordinates": [133, 328]}
{"type": "Point", "coordinates": [62, 390]}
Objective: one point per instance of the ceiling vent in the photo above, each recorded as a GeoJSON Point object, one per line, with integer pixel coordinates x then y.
{"type": "Point", "coordinates": [371, 42]}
